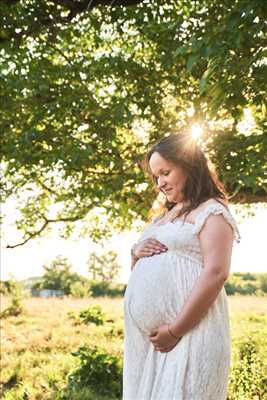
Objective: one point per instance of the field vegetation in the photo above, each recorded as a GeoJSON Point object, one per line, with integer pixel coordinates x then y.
{"type": "Point", "coordinates": [72, 349]}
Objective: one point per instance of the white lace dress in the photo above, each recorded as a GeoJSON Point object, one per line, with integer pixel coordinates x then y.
{"type": "Point", "coordinates": [197, 367]}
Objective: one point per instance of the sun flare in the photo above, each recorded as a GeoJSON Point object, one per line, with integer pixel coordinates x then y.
{"type": "Point", "coordinates": [196, 131]}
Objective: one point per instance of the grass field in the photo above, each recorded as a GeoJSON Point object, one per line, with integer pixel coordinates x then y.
{"type": "Point", "coordinates": [37, 345]}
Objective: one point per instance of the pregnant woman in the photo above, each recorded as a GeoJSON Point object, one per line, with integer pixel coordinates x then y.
{"type": "Point", "coordinates": [177, 340]}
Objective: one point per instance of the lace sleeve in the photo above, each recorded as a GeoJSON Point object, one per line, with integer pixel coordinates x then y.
{"type": "Point", "coordinates": [216, 209]}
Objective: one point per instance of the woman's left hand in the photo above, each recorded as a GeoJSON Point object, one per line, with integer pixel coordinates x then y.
{"type": "Point", "coordinates": [162, 340]}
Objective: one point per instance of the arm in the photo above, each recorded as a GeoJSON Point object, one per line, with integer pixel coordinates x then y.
{"type": "Point", "coordinates": [216, 241]}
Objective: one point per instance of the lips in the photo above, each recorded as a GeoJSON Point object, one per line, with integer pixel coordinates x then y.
{"type": "Point", "coordinates": [167, 190]}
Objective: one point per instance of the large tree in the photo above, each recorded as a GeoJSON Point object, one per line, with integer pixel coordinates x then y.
{"type": "Point", "coordinates": [58, 276]}
{"type": "Point", "coordinates": [87, 84]}
{"type": "Point", "coordinates": [104, 266]}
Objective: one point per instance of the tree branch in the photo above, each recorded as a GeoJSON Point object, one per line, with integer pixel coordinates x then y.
{"type": "Point", "coordinates": [45, 224]}
{"type": "Point", "coordinates": [46, 188]}
{"type": "Point", "coordinates": [31, 236]}
{"type": "Point", "coordinates": [74, 8]}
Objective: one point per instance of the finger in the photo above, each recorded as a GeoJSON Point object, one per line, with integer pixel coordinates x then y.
{"type": "Point", "coordinates": [159, 249]}
{"type": "Point", "coordinates": [164, 351]}
{"type": "Point", "coordinates": [147, 253]}
{"type": "Point", "coordinates": [155, 242]}
{"type": "Point", "coordinates": [153, 248]}
{"type": "Point", "coordinates": [154, 245]}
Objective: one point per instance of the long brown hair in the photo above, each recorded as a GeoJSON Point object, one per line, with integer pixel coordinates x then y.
{"type": "Point", "coordinates": [202, 182]}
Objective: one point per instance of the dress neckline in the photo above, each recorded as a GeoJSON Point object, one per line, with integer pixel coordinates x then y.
{"type": "Point", "coordinates": [173, 223]}
{"type": "Point", "coordinates": [216, 203]}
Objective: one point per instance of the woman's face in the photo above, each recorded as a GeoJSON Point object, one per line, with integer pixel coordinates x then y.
{"type": "Point", "coordinates": [170, 178]}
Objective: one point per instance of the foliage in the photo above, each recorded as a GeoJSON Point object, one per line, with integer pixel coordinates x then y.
{"type": "Point", "coordinates": [82, 394]}
{"type": "Point", "coordinates": [80, 290]}
{"type": "Point", "coordinates": [85, 89]}
{"type": "Point", "coordinates": [263, 282]}
{"type": "Point", "coordinates": [248, 380]}
{"type": "Point", "coordinates": [102, 288]}
{"type": "Point", "coordinates": [58, 276]}
{"type": "Point", "coordinates": [103, 267]}
{"type": "Point", "coordinates": [99, 370]}
{"type": "Point", "coordinates": [246, 284]}
{"type": "Point", "coordinates": [29, 283]}
{"type": "Point", "coordinates": [93, 314]}
{"type": "Point", "coordinates": [115, 331]}
{"type": "Point", "coordinates": [4, 287]}
{"type": "Point", "coordinates": [37, 345]}
{"type": "Point", "coordinates": [16, 293]}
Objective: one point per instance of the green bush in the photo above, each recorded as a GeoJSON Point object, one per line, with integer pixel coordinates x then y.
{"type": "Point", "coordinates": [263, 282]}
{"type": "Point", "coordinates": [80, 290]}
{"type": "Point", "coordinates": [80, 394]}
{"type": "Point", "coordinates": [248, 379]}
{"type": "Point", "coordinates": [16, 295]}
{"type": "Point", "coordinates": [246, 284]}
{"type": "Point", "coordinates": [98, 370]}
{"type": "Point", "coordinates": [103, 288]}
{"type": "Point", "coordinates": [115, 331]}
{"type": "Point", "coordinates": [98, 289]}
{"type": "Point", "coordinates": [93, 314]}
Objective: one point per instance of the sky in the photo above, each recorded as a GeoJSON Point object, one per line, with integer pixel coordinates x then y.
{"type": "Point", "coordinates": [26, 261]}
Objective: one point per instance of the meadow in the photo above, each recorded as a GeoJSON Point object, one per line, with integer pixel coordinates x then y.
{"type": "Point", "coordinates": [39, 345]}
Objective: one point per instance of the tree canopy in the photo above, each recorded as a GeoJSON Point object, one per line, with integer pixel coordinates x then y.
{"type": "Point", "coordinates": [58, 276]}
{"type": "Point", "coordinates": [86, 85]}
{"type": "Point", "coordinates": [104, 267]}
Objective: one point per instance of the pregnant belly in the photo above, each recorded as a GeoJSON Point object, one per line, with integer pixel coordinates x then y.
{"type": "Point", "coordinates": [152, 293]}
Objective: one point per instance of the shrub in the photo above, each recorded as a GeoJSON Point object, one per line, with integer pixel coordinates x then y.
{"type": "Point", "coordinates": [80, 394]}
{"type": "Point", "coordinates": [115, 331]}
{"type": "Point", "coordinates": [99, 370]}
{"type": "Point", "coordinates": [103, 288]}
{"type": "Point", "coordinates": [93, 314]}
{"type": "Point", "coordinates": [243, 283]}
{"type": "Point", "coordinates": [248, 379]}
{"type": "Point", "coordinates": [16, 296]}
{"type": "Point", "coordinates": [263, 282]}
{"type": "Point", "coordinates": [80, 290]}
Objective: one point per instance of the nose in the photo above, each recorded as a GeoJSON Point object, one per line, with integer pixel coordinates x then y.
{"type": "Point", "coordinates": [161, 182]}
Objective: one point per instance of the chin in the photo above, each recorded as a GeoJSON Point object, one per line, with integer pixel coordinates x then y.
{"type": "Point", "coordinates": [170, 199]}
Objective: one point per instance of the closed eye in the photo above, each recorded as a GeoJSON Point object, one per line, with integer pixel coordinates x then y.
{"type": "Point", "coordinates": [165, 173]}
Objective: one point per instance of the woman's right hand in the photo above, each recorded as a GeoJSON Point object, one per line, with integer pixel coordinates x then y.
{"type": "Point", "coordinates": [148, 248]}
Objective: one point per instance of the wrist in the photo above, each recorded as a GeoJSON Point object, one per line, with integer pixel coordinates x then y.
{"type": "Point", "coordinates": [173, 331]}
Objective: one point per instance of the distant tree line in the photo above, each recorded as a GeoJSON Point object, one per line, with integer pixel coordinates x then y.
{"type": "Point", "coordinates": [246, 283]}
{"type": "Point", "coordinates": [58, 276]}
{"type": "Point", "coordinates": [103, 270]}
